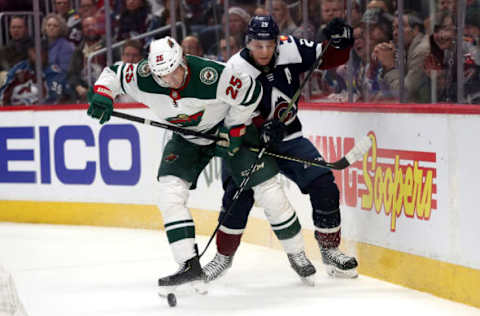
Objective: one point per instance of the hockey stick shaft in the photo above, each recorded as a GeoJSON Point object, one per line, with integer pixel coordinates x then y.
{"type": "Point", "coordinates": [239, 191]}
{"type": "Point", "coordinates": [174, 129]}
{"type": "Point", "coordinates": [297, 94]}
{"type": "Point", "coordinates": [338, 165]}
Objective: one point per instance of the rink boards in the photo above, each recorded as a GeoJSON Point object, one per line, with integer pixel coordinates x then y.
{"type": "Point", "coordinates": [408, 208]}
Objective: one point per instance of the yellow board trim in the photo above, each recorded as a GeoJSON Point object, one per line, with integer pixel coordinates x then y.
{"type": "Point", "coordinates": [446, 280]}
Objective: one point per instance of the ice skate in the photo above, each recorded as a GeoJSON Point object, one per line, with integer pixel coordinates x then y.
{"type": "Point", "coordinates": [188, 272]}
{"type": "Point", "coordinates": [303, 267]}
{"type": "Point", "coordinates": [189, 279]}
{"type": "Point", "coordinates": [217, 267]}
{"type": "Point", "coordinates": [338, 264]}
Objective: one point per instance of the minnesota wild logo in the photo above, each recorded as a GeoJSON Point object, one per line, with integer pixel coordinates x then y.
{"type": "Point", "coordinates": [144, 69]}
{"type": "Point", "coordinates": [186, 120]}
{"type": "Point", "coordinates": [208, 75]}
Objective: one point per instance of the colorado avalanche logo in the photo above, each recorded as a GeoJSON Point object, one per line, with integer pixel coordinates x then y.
{"type": "Point", "coordinates": [280, 104]}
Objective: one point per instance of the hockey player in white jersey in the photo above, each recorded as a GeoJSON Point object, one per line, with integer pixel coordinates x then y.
{"type": "Point", "coordinates": [277, 62]}
{"type": "Point", "coordinates": [205, 96]}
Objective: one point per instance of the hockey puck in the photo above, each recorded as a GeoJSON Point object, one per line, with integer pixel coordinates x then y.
{"type": "Point", "coordinates": [172, 300]}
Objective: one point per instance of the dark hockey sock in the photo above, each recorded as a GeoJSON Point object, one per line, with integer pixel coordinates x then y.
{"type": "Point", "coordinates": [227, 244]}
{"type": "Point", "coordinates": [328, 240]}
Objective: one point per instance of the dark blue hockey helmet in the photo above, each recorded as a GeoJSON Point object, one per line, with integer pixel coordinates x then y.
{"type": "Point", "coordinates": [262, 27]}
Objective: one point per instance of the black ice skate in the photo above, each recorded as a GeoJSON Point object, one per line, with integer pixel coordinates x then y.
{"type": "Point", "coordinates": [302, 265]}
{"type": "Point", "coordinates": [217, 267]}
{"type": "Point", "coordinates": [339, 264]}
{"type": "Point", "coordinates": [188, 272]}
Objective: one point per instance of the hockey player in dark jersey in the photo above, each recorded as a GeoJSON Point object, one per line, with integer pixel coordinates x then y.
{"type": "Point", "coordinates": [277, 62]}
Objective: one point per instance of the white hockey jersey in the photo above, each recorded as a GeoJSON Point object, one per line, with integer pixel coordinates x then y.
{"type": "Point", "coordinates": [212, 93]}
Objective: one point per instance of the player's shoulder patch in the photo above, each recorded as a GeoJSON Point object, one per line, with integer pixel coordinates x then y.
{"type": "Point", "coordinates": [143, 69]}
{"type": "Point", "coordinates": [288, 52]}
{"type": "Point", "coordinates": [208, 75]}
{"type": "Point", "coordinates": [284, 38]}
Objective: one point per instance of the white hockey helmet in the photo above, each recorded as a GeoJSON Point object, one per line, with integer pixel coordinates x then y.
{"type": "Point", "coordinates": [165, 56]}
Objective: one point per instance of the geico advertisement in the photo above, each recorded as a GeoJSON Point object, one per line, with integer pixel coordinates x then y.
{"type": "Point", "coordinates": [67, 156]}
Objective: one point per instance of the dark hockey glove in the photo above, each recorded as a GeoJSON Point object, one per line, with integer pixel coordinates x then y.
{"type": "Point", "coordinates": [339, 34]}
{"type": "Point", "coordinates": [232, 140]}
{"type": "Point", "coordinates": [101, 103]}
{"type": "Point", "coordinates": [271, 133]}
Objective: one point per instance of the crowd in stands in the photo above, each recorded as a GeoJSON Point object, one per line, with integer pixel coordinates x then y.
{"type": "Point", "coordinates": [70, 34]}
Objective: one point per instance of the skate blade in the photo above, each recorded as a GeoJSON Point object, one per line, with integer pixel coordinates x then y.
{"type": "Point", "coordinates": [309, 281]}
{"type": "Point", "coordinates": [341, 274]}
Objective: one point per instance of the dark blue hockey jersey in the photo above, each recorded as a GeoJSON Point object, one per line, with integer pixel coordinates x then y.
{"type": "Point", "coordinates": [281, 78]}
{"type": "Point", "coordinates": [20, 88]}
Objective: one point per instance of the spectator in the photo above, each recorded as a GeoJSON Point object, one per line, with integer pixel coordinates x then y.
{"type": "Point", "coordinates": [79, 71]}
{"type": "Point", "coordinates": [440, 7]}
{"type": "Point", "coordinates": [191, 46]}
{"type": "Point", "coordinates": [16, 49]}
{"type": "Point", "coordinates": [60, 50]}
{"type": "Point", "coordinates": [20, 87]}
{"type": "Point", "coordinates": [260, 11]}
{"type": "Point", "coordinates": [234, 48]}
{"type": "Point", "coordinates": [87, 8]}
{"type": "Point", "coordinates": [238, 21]}
{"type": "Point", "coordinates": [472, 26]}
{"type": "Point", "coordinates": [136, 19]}
{"type": "Point", "coordinates": [132, 51]}
{"type": "Point", "coordinates": [377, 28]}
{"type": "Point", "coordinates": [441, 65]}
{"type": "Point", "coordinates": [281, 15]}
{"type": "Point", "coordinates": [72, 18]}
{"type": "Point", "coordinates": [330, 9]}
{"type": "Point", "coordinates": [416, 49]}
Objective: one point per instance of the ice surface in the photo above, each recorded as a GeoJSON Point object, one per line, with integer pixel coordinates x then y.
{"type": "Point", "coordinates": [94, 271]}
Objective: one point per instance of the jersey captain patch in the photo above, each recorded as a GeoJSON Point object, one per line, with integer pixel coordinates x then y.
{"type": "Point", "coordinates": [186, 120]}
{"type": "Point", "coordinates": [208, 75]}
{"type": "Point", "coordinates": [144, 69]}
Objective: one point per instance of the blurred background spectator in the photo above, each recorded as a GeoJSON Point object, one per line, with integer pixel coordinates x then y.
{"type": "Point", "coordinates": [16, 49]}
{"type": "Point", "coordinates": [132, 52]}
{"type": "Point", "coordinates": [234, 48]}
{"type": "Point", "coordinates": [20, 87]}
{"type": "Point", "coordinates": [79, 71]}
{"type": "Point", "coordinates": [191, 46]}
{"type": "Point", "coordinates": [281, 15]}
{"type": "Point", "coordinates": [60, 50]}
{"type": "Point", "coordinates": [416, 49]}
{"type": "Point", "coordinates": [72, 18]}
{"type": "Point", "coordinates": [87, 8]}
{"type": "Point", "coordinates": [136, 18]}
{"type": "Point", "coordinates": [441, 64]}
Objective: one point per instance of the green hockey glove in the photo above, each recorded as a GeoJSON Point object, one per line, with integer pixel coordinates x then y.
{"type": "Point", "coordinates": [232, 140]}
{"type": "Point", "coordinates": [101, 103]}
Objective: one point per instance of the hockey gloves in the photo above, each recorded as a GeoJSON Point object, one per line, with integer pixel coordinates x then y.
{"type": "Point", "coordinates": [271, 133]}
{"type": "Point", "coordinates": [232, 140]}
{"type": "Point", "coordinates": [101, 103]}
{"type": "Point", "coordinates": [339, 34]}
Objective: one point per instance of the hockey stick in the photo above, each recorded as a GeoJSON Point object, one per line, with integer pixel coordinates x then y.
{"type": "Point", "coordinates": [297, 94]}
{"type": "Point", "coordinates": [356, 153]}
{"type": "Point", "coordinates": [239, 191]}
{"type": "Point", "coordinates": [338, 165]}
{"type": "Point", "coordinates": [172, 128]}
